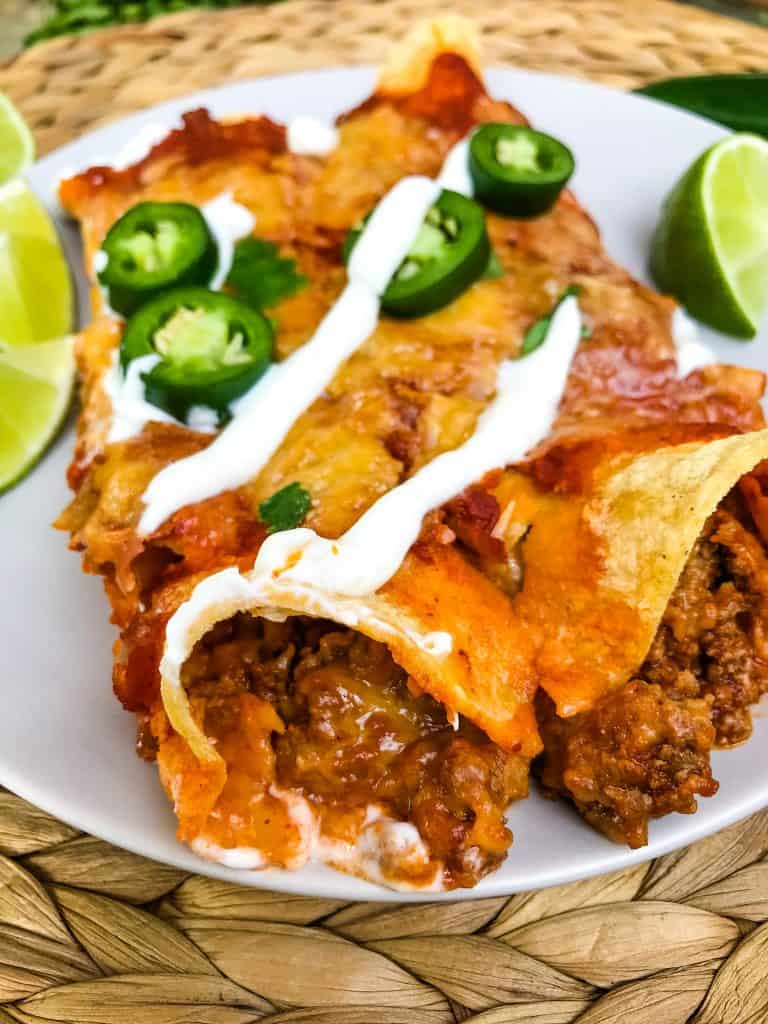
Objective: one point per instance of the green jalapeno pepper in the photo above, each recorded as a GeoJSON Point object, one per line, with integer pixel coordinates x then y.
{"type": "Point", "coordinates": [212, 348]}
{"type": "Point", "coordinates": [153, 247]}
{"type": "Point", "coordinates": [518, 171]}
{"type": "Point", "coordinates": [739, 101]}
{"type": "Point", "coordinates": [451, 251]}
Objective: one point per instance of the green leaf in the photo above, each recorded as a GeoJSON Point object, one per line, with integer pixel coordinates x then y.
{"type": "Point", "coordinates": [737, 100]}
{"type": "Point", "coordinates": [538, 331]}
{"type": "Point", "coordinates": [493, 270]}
{"type": "Point", "coordinates": [260, 276]}
{"type": "Point", "coordinates": [71, 16]}
{"type": "Point", "coordinates": [286, 509]}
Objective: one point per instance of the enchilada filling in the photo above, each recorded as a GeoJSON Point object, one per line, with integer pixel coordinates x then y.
{"type": "Point", "coordinates": [643, 750]}
{"type": "Point", "coordinates": [348, 738]}
{"type": "Point", "coordinates": [314, 718]}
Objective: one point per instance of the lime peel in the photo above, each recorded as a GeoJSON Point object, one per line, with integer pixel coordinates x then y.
{"type": "Point", "coordinates": [17, 147]}
{"type": "Point", "coordinates": [710, 249]}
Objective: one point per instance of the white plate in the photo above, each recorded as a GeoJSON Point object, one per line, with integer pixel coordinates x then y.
{"type": "Point", "coordinates": [65, 743]}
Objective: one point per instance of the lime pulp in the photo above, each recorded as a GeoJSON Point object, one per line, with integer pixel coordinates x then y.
{"type": "Point", "coordinates": [710, 249]}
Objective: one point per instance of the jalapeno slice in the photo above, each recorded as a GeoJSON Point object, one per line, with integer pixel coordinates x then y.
{"type": "Point", "coordinates": [153, 247]}
{"type": "Point", "coordinates": [212, 348]}
{"type": "Point", "coordinates": [451, 251]}
{"type": "Point", "coordinates": [518, 171]}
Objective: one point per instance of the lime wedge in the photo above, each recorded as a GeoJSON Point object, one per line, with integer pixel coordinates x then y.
{"type": "Point", "coordinates": [710, 249]}
{"type": "Point", "coordinates": [17, 147]}
{"type": "Point", "coordinates": [35, 390]}
{"type": "Point", "coordinates": [35, 286]}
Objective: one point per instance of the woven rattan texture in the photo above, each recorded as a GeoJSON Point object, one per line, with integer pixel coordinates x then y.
{"type": "Point", "coordinates": [68, 85]}
{"type": "Point", "coordinates": [89, 933]}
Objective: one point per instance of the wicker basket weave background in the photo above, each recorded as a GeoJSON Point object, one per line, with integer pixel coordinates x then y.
{"type": "Point", "coordinates": [90, 933]}
{"type": "Point", "coordinates": [71, 84]}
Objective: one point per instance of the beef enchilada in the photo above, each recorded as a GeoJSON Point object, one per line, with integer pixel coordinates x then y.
{"type": "Point", "coordinates": [399, 491]}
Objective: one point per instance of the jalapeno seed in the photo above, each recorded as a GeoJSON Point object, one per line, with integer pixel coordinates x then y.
{"type": "Point", "coordinates": [155, 246]}
{"type": "Point", "coordinates": [517, 171]}
{"type": "Point", "coordinates": [212, 349]}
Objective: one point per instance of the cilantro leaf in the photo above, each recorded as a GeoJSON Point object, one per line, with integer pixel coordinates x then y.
{"type": "Point", "coordinates": [535, 335]}
{"type": "Point", "coordinates": [493, 269]}
{"type": "Point", "coordinates": [260, 276]}
{"type": "Point", "coordinates": [286, 508]}
{"type": "Point", "coordinates": [538, 331]}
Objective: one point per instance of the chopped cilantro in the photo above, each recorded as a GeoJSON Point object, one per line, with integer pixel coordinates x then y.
{"type": "Point", "coordinates": [493, 269]}
{"type": "Point", "coordinates": [260, 276]}
{"type": "Point", "coordinates": [537, 332]}
{"type": "Point", "coordinates": [286, 508]}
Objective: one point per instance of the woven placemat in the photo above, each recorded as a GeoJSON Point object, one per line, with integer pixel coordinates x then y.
{"type": "Point", "coordinates": [90, 933]}
{"type": "Point", "coordinates": [69, 85]}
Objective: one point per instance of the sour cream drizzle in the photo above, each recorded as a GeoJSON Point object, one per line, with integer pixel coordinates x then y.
{"type": "Point", "coordinates": [287, 389]}
{"type": "Point", "coordinates": [130, 409]}
{"type": "Point", "coordinates": [328, 578]}
{"type": "Point", "coordinates": [692, 353]}
{"type": "Point", "coordinates": [371, 552]}
{"type": "Point", "coordinates": [298, 571]}
{"type": "Point", "coordinates": [455, 173]}
{"type": "Point", "coordinates": [228, 222]}
{"type": "Point", "coordinates": [311, 136]}
{"type": "Point", "coordinates": [383, 844]}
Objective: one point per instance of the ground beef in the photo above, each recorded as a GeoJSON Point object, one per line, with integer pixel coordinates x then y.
{"type": "Point", "coordinates": [712, 639]}
{"type": "Point", "coordinates": [357, 732]}
{"type": "Point", "coordinates": [643, 750]}
{"type": "Point", "coordinates": [637, 755]}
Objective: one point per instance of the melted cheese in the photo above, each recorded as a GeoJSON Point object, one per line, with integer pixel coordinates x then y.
{"type": "Point", "coordinates": [371, 552]}
{"type": "Point", "coordinates": [287, 389]}
{"type": "Point", "coordinates": [328, 577]}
